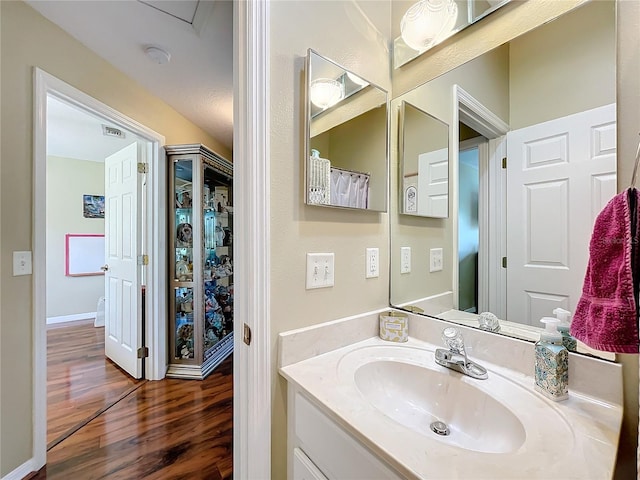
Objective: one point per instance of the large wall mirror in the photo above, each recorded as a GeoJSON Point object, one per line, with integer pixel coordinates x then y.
{"type": "Point", "coordinates": [346, 159]}
{"type": "Point", "coordinates": [533, 143]}
{"type": "Point", "coordinates": [424, 163]}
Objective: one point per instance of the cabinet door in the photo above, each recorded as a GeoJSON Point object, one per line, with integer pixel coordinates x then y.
{"type": "Point", "coordinates": [333, 450]}
{"type": "Point", "coordinates": [182, 252]}
{"type": "Point", "coordinates": [303, 468]}
{"type": "Point", "coordinates": [217, 273]}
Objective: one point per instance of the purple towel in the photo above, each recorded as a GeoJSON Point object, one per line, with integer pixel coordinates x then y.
{"type": "Point", "coordinates": [606, 316]}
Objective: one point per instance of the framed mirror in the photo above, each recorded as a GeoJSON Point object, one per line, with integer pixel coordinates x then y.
{"type": "Point", "coordinates": [533, 162]}
{"type": "Point", "coordinates": [424, 163]}
{"type": "Point", "coordinates": [346, 154]}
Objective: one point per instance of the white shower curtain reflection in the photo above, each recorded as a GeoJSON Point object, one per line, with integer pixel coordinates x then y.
{"type": "Point", "coordinates": [349, 189]}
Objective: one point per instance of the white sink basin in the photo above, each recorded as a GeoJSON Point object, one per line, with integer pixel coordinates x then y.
{"type": "Point", "coordinates": [416, 396]}
{"type": "Point", "coordinates": [492, 416]}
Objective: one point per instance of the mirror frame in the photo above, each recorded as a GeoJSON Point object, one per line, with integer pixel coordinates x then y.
{"type": "Point", "coordinates": [307, 133]}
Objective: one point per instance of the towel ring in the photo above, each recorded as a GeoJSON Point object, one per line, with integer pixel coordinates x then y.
{"type": "Point", "coordinates": [635, 168]}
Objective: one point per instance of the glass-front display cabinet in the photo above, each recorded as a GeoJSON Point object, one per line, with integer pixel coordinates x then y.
{"type": "Point", "coordinates": [200, 260]}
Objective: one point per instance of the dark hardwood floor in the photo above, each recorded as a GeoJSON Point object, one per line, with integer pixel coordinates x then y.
{"type": "Point", "coordinates": [169, 429]}
{"type": "Point", "coordinates": [81, 381]}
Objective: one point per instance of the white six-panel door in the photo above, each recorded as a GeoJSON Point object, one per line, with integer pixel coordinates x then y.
{"type": "Point", "coordinates": [433, 183]}
{"type": "Point", "coordinates": [560, 175]}
{"type": "Point", "coordinates": [123, 314]}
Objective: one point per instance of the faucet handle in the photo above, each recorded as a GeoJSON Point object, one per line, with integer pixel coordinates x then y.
{"type": "Point", "coordinates": [488, 321]}
{"type": "Point", "coordinates": [452, 338]}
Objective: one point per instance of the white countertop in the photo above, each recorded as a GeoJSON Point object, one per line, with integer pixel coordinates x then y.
{"type": "Point", "coordinates": [573, 439]}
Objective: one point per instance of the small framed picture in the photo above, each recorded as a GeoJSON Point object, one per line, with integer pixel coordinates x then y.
{"type": "Point", "coordinates": [93, 206]}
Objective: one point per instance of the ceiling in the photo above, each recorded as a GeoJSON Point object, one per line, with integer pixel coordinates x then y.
{"type": "Point", "coordinates": [198, 34]}
{"type": "Point", "coordinates": [74, 133]}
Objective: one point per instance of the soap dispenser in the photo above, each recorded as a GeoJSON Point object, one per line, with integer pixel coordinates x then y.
{"type": "Point", "coordinates": [568, 341]}
{"type": "Point", "coordinates": [552, 362]}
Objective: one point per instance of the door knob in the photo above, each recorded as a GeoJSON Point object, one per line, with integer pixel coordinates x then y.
{"type": "Point", "coordinates": [104, 268]}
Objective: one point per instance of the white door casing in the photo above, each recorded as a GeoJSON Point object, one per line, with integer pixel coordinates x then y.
{"type": "Point", "coordinates": [252, 366]}
{"type": "Point", "coordinates": [468, 110]}
{"type": "Point", "coordinates": [560, 174]}
{"type": "Point", "coordinates": [123, 306]}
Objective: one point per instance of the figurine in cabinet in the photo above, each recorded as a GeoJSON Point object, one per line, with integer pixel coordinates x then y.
{"type": "Point", "coordinates": [184, 235]}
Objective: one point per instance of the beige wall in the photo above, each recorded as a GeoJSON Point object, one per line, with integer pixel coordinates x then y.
{"type": "Point", "coordinates": [28, 40]}
{"type": "Point", "coordinates": [68, 179]}
{"type": "Point", "coordinates": [584, 42]}
{"type": "Point", "coordinates": [358, 40]}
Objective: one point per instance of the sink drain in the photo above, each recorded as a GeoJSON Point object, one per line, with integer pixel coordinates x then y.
{"type": "Point", "coordinates": [440, 428]}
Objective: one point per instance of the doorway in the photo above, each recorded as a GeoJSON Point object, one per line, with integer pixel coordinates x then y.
{"type": "Point", "coordinates": [81, 381]}
{"type": "Point", "coordinates": [151, 239]}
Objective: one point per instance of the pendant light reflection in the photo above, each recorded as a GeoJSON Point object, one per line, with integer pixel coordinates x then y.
{"type": "Point", "coordinates": [428, 22]}
{"type": "Point", "coordinates": [326, 92]}
{"type": "Point", "coordinates": [357, 80]}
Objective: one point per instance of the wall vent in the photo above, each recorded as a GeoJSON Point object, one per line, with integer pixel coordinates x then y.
{"type": "Point", "coordinates": [112, 132]}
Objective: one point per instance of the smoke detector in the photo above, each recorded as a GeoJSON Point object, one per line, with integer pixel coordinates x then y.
{"type": "Point", "coordinates": [157, 54]}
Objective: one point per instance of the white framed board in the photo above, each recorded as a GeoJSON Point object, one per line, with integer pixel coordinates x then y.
{"type": "Point", "coordinates": [84, 254]}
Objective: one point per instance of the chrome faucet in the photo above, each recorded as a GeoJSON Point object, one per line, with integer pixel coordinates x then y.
{"type": "Point", "coordinates": [456, 357]}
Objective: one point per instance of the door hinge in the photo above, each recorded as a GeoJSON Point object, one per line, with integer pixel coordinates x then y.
{"type": "Point", "coordinates": [504, 262]}
{"type": "Point", "coordinates": [143, 352]}
{"type": "Point", "coordinates": [247, 334]}
{"type": "Point", "coordinates": [504, 162]}
{"type": "Point", "coordinates": [143, 259]}
{"type": "Point", "coordinates": [143, 167]}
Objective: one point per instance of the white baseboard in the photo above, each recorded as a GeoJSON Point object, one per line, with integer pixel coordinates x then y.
{"type": "Point", "coordinates": [22, 471]}
{"type": "Point", "coordinates": [71, 318]}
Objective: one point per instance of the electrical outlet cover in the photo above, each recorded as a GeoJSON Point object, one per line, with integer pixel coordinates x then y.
{"type": "Point", "coordinates": [405, 259]}
{"type": "Point", "coordinates": [372, 263]}
{"type": "Point", "coordinates": [435, 260]}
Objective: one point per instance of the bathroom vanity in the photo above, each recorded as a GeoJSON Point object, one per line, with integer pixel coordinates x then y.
{"type": "Point", "coordinates": [361, 407]}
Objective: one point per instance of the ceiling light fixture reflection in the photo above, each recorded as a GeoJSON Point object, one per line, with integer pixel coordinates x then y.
{"type": "Point", "coordinates": [326, 92]}
{"type": "Point", "coordinates": [428, 22]}
{"type": "Point", "coordinates": [357, 80]}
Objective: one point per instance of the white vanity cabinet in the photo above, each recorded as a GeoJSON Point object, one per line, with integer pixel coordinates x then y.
{"type": "Point", "coordinates": [303, 467]}
{"type": "Point", "coordinates": [319, 449]}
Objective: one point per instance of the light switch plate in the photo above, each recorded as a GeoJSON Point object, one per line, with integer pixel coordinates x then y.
{"type": "Point", "coordinates": [435, 260]}
{"type": "Point", "coordinates": [405, 259]}
{"type": "Point", "coordinates": [372, 263]}
{"type": "Point", "coordinates": [320, 270]}
{"type": "Point", "coordinates": [21, 263]}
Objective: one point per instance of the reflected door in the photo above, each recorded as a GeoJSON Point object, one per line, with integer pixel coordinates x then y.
{"type": "Point", "coordinates": [123, 316]}
{"type": "Point", "coordinates": [433, 183]}
{"type": "Point", "coordinates": [560, 175]}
